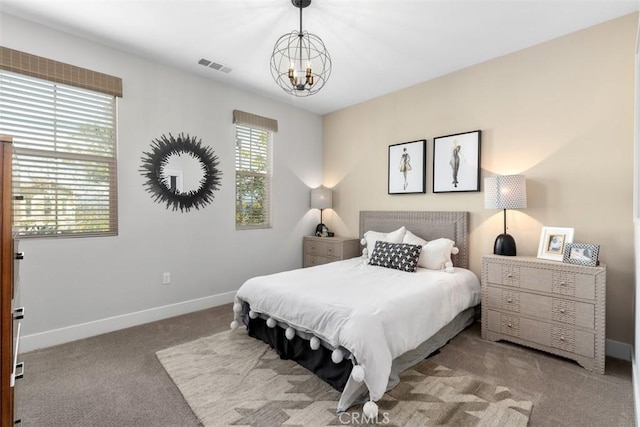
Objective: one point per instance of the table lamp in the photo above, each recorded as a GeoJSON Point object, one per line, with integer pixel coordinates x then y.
{"type": "Point", "coordinates": [505, 192]}
{"type": "Point", "coordinates": [320, 199]}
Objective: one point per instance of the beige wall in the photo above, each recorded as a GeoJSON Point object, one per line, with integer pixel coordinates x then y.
{"type": "Point", "coordinates": [560, 113]}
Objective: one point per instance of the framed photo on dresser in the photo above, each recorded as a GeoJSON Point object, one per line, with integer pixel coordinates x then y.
{"type": "Point", "coordinates": [553, 241]}
{"type": "Point", "coordinates": [581, 254]}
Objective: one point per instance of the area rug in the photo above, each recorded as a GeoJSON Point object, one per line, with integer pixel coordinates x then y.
{"type": "Point", "coordinates": [231, 379]}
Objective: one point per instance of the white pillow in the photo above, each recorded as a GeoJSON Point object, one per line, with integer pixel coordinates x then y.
{"type": "Point", "coordinates": [412, 239]}
{"type": "Point", "coordinates": [435, 254]}
{"type": "Point", "coordinates": [373, 236]}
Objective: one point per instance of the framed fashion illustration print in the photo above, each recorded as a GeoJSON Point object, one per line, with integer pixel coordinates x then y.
{"type": "Point", "coordinates": [407, 167]}
{"type": "Point", "coordinates": [456, 162]}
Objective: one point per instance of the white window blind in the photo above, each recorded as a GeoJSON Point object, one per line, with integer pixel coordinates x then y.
{"type": "Point", "coordinates": [253, 177]}
{"type": "Point", "coordinates": [64, 169]}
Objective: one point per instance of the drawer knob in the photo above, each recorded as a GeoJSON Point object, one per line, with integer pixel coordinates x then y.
{"type": "Point", "coordinates": [509, 300]}
{"type": "Point", "coordinates": [509, 275]}
{"type": "Point", "coordinates": [509, 324]}
{"type": "Point", "coordinates": [563, 284]}
{"type": "Point", "coordinates": [562, 310]}
{"type": "Point", "coordinates": [562, 339]}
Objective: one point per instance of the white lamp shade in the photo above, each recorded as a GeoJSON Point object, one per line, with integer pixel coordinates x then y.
{"type": "Point", "coordinates": [505, 192]}
{"type": "Point", "coordinates": [321, 198]}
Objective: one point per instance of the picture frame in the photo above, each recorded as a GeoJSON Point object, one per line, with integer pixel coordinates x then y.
{"type": "Point", "coordinates": [581, 254]}
{"type": "Point", "coordinates": [406, 173]}
{"type": "Point", "coordinates": [553, 241]}
{"type": "Point", "coordinates": [456, 162]}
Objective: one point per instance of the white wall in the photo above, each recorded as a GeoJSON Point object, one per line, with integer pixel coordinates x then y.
{"type": "Point", "coordinates": [73, 288]}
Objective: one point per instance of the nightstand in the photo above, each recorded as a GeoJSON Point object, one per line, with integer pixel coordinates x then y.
{"type": "Point", "coordinates": [322, 250]}
{"type": "Point", "coordinates": [550, 306]}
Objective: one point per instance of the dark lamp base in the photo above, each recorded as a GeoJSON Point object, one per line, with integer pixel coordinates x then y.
{"type": "Point", "coordinates": [505, 245]}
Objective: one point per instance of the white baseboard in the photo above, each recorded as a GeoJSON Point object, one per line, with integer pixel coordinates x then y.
{"type": "Point", "coordinates": [618, 350]}
{"type": "Point", "coordinates": [110, 324]}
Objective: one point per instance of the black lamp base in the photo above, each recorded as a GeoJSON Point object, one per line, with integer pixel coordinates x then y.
{"type": "Point", "coordinates": [505, 245]}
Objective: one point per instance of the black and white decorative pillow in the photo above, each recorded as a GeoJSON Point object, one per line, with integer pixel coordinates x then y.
{"type": "Point", "coordinates": [400, 256]}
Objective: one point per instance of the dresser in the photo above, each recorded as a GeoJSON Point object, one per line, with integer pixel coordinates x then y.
{"type": "Point", "coordinates": [322, 250]}
{"type": "Point", "coordinates": [10, 315]}
{"type": "Point", "coordinates": [550, 306]}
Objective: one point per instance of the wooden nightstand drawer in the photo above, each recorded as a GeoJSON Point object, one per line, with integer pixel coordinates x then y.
{"type": "Point", "coordinates": [311, 260]}
{"type": "Point", "coordinates": [322, 250]}
{"type": "Point", "coordinates": [316, 247]}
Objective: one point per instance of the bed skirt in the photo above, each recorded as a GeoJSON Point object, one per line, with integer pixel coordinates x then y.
{"type": "Point", "coordinates": [317, 361]}
{"type": "Point", "coordinates": [338, 375]}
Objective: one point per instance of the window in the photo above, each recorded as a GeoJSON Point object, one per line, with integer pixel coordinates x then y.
{"type": "Point", "coordinates": [65, 156]}
{"type": "Point", "coordinates": [253, 170]}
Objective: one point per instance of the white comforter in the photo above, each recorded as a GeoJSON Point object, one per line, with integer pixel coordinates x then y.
{"type": "Point", "coordinates": [375, 313]}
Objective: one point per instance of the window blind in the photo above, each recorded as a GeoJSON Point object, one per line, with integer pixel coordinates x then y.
{"type": "Point", "coordinates": [253, 177]}
{"type": "Point", "coordinates": [59, 72]}
{"type": "Point", "coordinates": [64, 168]}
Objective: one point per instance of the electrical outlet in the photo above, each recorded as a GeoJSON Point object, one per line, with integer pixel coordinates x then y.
{"type": "Point", "coordinates": [166, 278]}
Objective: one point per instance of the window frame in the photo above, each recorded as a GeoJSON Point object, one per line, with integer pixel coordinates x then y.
{"type": "Point", "coordinates": [56, 151]}
{"type": "Point", "coordinates": [267, 174]}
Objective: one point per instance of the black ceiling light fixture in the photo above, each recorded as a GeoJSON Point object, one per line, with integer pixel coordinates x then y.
{"type": "Point", "coordinates": [300, 62]}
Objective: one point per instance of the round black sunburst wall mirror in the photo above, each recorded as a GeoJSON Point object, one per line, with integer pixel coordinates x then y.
{"type": "Point", "coordinates": [181, 172]}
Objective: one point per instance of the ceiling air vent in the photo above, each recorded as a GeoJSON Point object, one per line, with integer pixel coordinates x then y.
{"type": "Point", "coordinates": [215, 66]}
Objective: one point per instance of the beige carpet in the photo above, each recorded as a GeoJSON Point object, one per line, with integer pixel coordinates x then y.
{"type": "Point", "coordinates": [232, 379]}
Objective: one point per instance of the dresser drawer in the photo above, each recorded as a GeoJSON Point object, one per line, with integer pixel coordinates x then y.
{"type": "Point", "coordinates": [503, 299]}
{"type": "Point", "coordinates": [574, 284]}
{"type": "Point", "coordinates": [500, 274]}
{"type": "Point", "coordinates": [543, 333]}
{"type": "Point", "coordinates": [558, 281]}
{"type": "Point", "coordinates": [573, 313]}
{"type": "Point", "coordinates": [504, 323]}
{"type": "Point", "coordinates": [573, 341]}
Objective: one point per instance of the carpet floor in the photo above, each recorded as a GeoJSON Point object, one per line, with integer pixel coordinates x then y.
{"type": "Point", "coordinates": [116, 379]}
{"type": "Point", "coordinates": [232, 379]}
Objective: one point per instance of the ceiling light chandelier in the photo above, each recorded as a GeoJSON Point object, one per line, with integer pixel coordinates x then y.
{"type": "Point", "coordinates": [300, 63]}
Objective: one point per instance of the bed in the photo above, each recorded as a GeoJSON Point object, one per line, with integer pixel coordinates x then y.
{"type": "Point", "coordinates": [358, 326]}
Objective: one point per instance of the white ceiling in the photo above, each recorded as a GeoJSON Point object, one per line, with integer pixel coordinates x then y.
{"type": "Point", "coordinates": [376, 46]}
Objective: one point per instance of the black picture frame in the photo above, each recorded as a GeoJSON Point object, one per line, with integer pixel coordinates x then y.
{"type": "Point", "coordinates": [581, 254]}
{"type": "Point", "coordinates": [406, 169]}
{"type": "Point", "coordinates": [456, 162]}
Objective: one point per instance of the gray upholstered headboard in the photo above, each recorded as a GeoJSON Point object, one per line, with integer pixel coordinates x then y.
{"type": "Point", "coordinates": [425, 224]}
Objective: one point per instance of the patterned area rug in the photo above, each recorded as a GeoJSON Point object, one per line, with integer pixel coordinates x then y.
{"type": "Point", "coordinates": [231, 379]}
